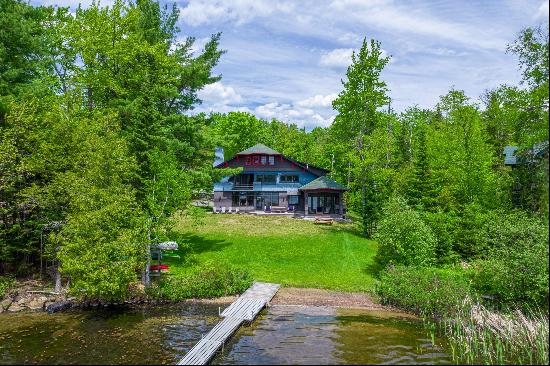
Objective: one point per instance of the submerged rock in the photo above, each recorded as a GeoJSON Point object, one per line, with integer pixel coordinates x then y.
{"type": "Point", "coordinates": [59, 306]}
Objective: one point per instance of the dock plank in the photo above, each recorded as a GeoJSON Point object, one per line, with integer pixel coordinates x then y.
{"type": "Point", "coordinates": [245, 308]}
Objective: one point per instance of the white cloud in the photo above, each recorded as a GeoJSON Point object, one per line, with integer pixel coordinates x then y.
{"type": "Point", "coordinates": [219, 94]}
{"type": "Point", "coordinates": [339, 57]}
{"type": "Point", "coordinates": [302, 117]}
{"type": "Point", "coordinates": [318, 101]}
{"type": "Point", "coordinates": [199, 12]}
{"type": "Point", "coordinates": [543, 10]}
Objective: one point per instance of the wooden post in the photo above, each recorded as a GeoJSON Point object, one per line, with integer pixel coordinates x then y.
{"type": "Point", "coordinates": [306, 204]}
{"type": "Point", "coordinates": [341, 200]}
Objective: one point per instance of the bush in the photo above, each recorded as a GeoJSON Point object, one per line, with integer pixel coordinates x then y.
{"type": "Point", "coordinates": [5, 284]}
{"type": "Point", "coordinates": [515, 271]}
{"type": "Point", "coordinates": [427, 291]}
{"type": "Point", "coordinates": [203, 282]}
{"type": "Point", "coordinates": [403, 237]}
{"type": "Point", "coordinates": [469, 232]}
{"type": "Point", "coordinates": [444, 225]}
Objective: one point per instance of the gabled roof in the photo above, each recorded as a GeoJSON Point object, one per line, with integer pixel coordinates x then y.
{"type": "Point", "coordinates": [323, 182]}
{"type": "Point", "coordinates": [266, 150]}
{"type": "Point", "coordinates": [259, 149]}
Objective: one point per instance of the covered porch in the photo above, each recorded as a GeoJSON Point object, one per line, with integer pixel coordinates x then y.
{"type": "Point", "coordinates": [323, 196]}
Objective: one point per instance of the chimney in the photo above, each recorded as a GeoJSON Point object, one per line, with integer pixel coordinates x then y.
{"type": "Point", "coordinates": [218, 156]}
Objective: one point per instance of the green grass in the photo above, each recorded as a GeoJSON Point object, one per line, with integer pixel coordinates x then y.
{"type": "Point", "coordinates": [283, 250]}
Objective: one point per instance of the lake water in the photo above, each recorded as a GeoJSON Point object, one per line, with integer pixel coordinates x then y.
{"type": "Point", "coordinates": [280, 335]}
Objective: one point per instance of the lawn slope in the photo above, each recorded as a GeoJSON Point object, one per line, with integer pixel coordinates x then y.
{"type": "Point", "coordinates": [284, 250]}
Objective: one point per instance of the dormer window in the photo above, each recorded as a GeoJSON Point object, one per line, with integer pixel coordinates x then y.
{"type": "Point", "coordinates": [271, 160]}
{"type": "Point", "coordinates": [264, 160]}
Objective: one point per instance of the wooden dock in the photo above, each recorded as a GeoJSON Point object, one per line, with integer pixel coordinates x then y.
{"type": "Point", "coordinates": [245, 308]}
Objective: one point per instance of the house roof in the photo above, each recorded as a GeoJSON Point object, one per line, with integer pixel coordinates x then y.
{"type": "Point", "coordinates": [323, 182]}
{"type": "Point", "coordinates": [538, 151]}
{"type": "Point", "coordinates": [259, 149]}
{"type": "Point", "coordinates": [509, 155]}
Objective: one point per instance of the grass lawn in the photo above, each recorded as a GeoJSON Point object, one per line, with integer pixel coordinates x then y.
{"type": "Point", "coordinates": [283, 250]}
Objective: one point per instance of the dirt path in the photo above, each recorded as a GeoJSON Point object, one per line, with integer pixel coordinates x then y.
{"type": "Point", "coordinates": [319, 297]}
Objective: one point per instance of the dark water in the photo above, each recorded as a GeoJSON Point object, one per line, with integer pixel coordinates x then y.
{"type": "Point", "coordinates": [281, 335]}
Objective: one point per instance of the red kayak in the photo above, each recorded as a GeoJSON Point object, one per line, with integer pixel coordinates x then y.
{"type": "Point", "coordinates": [157, 267]}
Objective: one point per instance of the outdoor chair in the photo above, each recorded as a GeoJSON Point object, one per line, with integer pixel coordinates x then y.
{"type": "Point", "coordinates": [223, 209]}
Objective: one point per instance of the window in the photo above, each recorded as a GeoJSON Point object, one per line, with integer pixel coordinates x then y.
{"type": "Point", "coordinates": [264, 160]}
{"type": "Point", "coordinates": [247, 161]}
{"type": "Point", "coordinates": [289, 179]}
{"type": "Point", "coordinates": [267, 199]}
{"type": "Point", "coordinates": [243, 199]}
{"type": "Point", "coordinates": [256, 160]}
{"type": "Point", "coordinates": [293, 200]}
{"type": "Point", "coordinates": [266, 178]}
{"type": "Point", "coordinates": [271, 160]}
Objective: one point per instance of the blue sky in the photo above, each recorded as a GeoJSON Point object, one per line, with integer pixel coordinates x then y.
{"type": "Point", "coordinates": [285, 59]}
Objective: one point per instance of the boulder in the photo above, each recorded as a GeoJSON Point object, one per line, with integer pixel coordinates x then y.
{"type": "Point", "coordinates": [5, 304]}
{"type": "Point", "coordinates": [58, 306]}
{"type": "Point", "coordinates": [15, 307]}
{"type": "Point", "coordinates": [37, 304]}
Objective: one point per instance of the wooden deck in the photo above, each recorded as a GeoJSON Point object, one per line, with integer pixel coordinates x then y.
{"type": "Point", "coordinates": [245, 308]}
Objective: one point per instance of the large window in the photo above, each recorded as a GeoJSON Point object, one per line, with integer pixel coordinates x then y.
{"type": "Point", "coordinates": [266, 178]}
{"type": "Point", "coordinates": [243, 199]}
{"type": "Point", "coordinates": [285, 178]}
{"type": "Point", "coordinates": [293, 200]}
{"type": "Point", "coordinates": [267, 199]}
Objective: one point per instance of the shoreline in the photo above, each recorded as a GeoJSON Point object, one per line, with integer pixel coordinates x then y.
{"type": "Point", "coordinates": [25, 300]}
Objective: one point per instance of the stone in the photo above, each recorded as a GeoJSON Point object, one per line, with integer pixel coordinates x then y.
{"type": "Point", "coordinates": [15, 307]}
{"type": "Point", "coordinates": [36, 304]}
{"type": "Point", "coordinates": [5, 304]}
{"type": "Point", "coordinates": [58, 306]}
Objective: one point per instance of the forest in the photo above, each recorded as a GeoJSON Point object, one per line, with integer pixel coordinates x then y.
{"type": "Point", "coordinates": [100, 147]}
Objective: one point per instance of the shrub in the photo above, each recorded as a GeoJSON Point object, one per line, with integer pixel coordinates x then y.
{"type": "Point", "coordinates": [428, 291]}
{"type": "Point", "coordinates": [469, 231]}
{"type": "Point", "coordinates": [515, 271]}
{"type": "Point", "coordinates": [403, 237]}
{"type": "Point", "coordinates": [5, 284]}
{"type": "Point", "coordinates": [444, 225]}
{"type": "Point", "coordinates": [203, 282]}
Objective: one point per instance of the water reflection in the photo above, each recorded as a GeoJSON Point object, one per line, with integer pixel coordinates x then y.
{"type": "Point", "coordinates": [309, 335]}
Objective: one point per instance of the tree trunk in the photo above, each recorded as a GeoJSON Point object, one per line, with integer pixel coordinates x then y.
{"type": "Point", "coordinates": [57, 279]}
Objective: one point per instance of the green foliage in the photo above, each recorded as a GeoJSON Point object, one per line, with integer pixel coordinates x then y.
{"type": "Point", "coordinates": [428, 291]}
{"type": "Point", "coordinates": [5, 284]}
{"type": "Point", "coordinates": [360, 131]}
{"type": "Point", "coordinates": [422, 192]}
{"type": "Point", "coordinates": [205, 281]}
{"type": "Point", "coordinates": [515, 269]}
{"type": "Point", "coordinates": [22, 50]}
{"type": "Point", "coordinates": [404, 239]}
{"type": "Point", "coordinates": [445, 227]}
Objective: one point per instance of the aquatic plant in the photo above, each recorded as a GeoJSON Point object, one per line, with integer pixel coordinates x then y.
{"type": "Point", "coordinates": [478, 335]}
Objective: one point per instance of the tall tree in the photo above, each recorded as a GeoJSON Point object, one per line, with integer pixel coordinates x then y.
{"type": "Point", "coordinates": [359, 114]}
